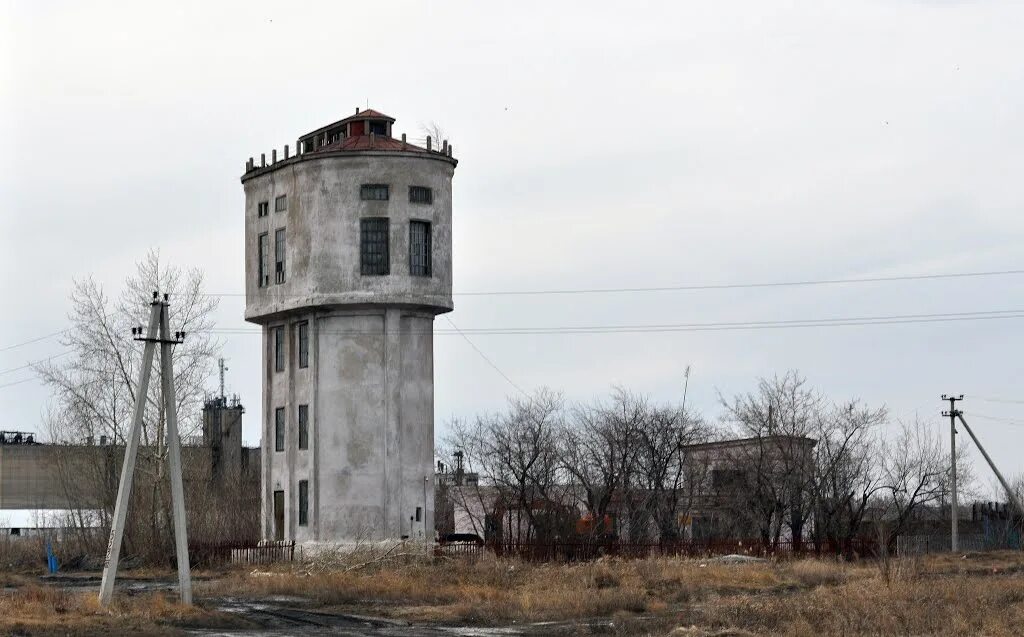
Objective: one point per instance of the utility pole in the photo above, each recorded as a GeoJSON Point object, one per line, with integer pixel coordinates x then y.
{"type": "Point", "coordinates": [158, 320]}
{"type": "Point", "coordinates": [1010, 494]}
{"type": "Point", "coordinates": [953, 413]}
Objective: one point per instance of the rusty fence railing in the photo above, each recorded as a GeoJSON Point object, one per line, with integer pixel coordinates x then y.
{"type": "Point", "coordinates": [213, 555]}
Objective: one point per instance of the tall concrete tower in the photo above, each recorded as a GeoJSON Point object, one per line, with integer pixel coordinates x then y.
{"type": "Point", "coordinates": [347, 262]}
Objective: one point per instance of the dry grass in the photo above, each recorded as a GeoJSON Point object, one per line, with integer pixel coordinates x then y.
{"type": "Point", "coordinates": [46, 610]}
{"type": "Point", "coordinates": [941, 595]}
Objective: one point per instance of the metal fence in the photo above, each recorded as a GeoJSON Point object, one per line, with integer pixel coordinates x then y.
{"type": "Point", "coordinates": [924, 544]}
{"type": "Point", "coordinates": [577, 551]}
{"type": "Point", "coordinates": [213, 555]}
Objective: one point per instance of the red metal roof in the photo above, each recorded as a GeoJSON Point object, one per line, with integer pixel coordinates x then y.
{"type": "Point", "coordinates": [368, 114]}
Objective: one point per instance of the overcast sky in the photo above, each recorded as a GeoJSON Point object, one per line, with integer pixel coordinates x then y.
{"type": "Point", "coordinates": [601, 145]}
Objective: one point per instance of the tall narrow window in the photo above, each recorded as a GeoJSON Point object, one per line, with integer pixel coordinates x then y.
{"type": "Point", "coordinates": [303, 336]}
{"type": "Point", "coordinates": [279, 255]}
{"type": "Point", "coordinates": [373, 192]}
{"type": "Point", "coordinates": [281, 203]}
{"type": "Point", "coordinates": [264, 257]}
{"type": "Point", "coordinates": [419, 248]}
{"type": "Point", "coordinates": [303, 426]}
{"type": "Point", "coordinates": [421, 194]}
{"type": "Point", "coordinates": [279, 429]}
{"type": "Point", "coordinates": [374, 256]}
{"type": "Point", "coordinates": [303, 502]}
{"type": "Point", "coordinates": [262, 208]}
{"type": "Point", "coordinates": [279, 349]}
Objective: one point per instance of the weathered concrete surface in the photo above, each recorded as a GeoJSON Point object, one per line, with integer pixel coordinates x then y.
{"type": "Point", "coordinates": [369, 383]}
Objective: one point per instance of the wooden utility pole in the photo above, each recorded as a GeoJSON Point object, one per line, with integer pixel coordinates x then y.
{"type": "Point", "coordinates": [158, 320]}
{"type": "Point", "coordinates": [953, 413]}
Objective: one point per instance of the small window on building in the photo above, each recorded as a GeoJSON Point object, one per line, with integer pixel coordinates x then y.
{"type": "Point", "coordinates": [279, 248]}
{"type": "Point", "coordinates": [303, 336]}
{"type": "Point", "coordinates": [419, 248]}
{"type": "Point", "coordinates": [281, 203]}
{"type": "Point", "coordinates": [374, 255]}
{"type": "Point", "coordinates": [279, 349]}
{"type": "Point", "coordinates": [303, 426]}
{"type": "Point", "coordinates": [262, 208]}
{"type": "Point", "coordinates": [378, 128]}
{"type": "Point", "coordinates": [421, 194]}
{"type": "Point", "coordinates": [373, 192]}
{"type": "Point", "coordinates": [279, 429]}
{"type": "Point", "coordinates": [419, 514]}
{"type": "Point", "coordinates": [303, 502]}
{"type": "Point", "coordinates": [263, 248]}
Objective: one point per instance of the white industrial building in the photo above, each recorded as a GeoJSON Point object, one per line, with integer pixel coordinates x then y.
{"type": "Point", "coordinates": [348, 261]}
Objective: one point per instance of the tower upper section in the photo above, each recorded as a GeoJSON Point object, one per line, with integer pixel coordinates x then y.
{"type": "Point", "coordinates": [355, 217]}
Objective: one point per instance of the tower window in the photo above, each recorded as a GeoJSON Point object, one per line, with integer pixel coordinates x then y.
{"type": "Point", "coordinates": [378, 128]}
{"type": "Point", "coordinates": [373, 192]}
{"type": "Point", "coordinates": [279, 255]}
{"type": "Point", "coordinates": [303, 426]}
{"type": "Point", "coordinates": [374, 256]}
{"type": "Point", "coordinates": [303, 502]}
{"type": "Point", "coordinates": [262, 208]}
{"type": "Point", "coordinates": [303, 336]}
{"type": "Point", "coordinates": [421, 194]}
{"type": "Point", "coordinates": [281, 203]}
{"type": "Point", "coordinates": [279, 349]}
{"type": "Point", "coordinates": [419, 248]}
{"type": "Point", "coordinates": [264, 261]}
{"type": "Point", "coordinates": [279, 429]}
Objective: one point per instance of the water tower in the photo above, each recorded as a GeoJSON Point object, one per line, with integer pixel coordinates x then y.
{"type": "Point", "coordinates": [347, 262]}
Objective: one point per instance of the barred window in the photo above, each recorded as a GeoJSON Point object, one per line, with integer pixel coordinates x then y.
{"type": "Point", "coordinates": [419, 248]}
{"type": "Point", "coordinates": [264, 261]}
{"type": "Point", "coordinates": [373, 192]}
{"type": "Point", "coordinates": [303, 426]}
{"type": "Point", "coordinates": [279, 256]}
{"type": "Point", "coordinates": [303, 336]}
{"type": "Point", "coordinates": [374, 256]}
{"type": "Point", "coordinates": [303, 502]}
{"type": "Point", "coordinates": [421, 194]}
{"type": "Point", "coordinates": [262, 208]}
{"type": "Point", "coordinates": [279, 349]}
{"type": "Point", "coordinates": [281, 203]}
{"type": "Point", "coordinates": [279, 429]}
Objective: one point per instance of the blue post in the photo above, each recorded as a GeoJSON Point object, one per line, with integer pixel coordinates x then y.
{"type": "Point", "coordinates": [51, 559]}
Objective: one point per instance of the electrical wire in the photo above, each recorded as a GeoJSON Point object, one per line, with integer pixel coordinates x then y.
{"type": "Point", "coordinates": [34, 340]}
{"type": "Point", "coordinates": [31, 363]}
{"type": "Point", "coordinates": [18, 382]}
{"type": "Point", "coordinates": [709, 286]}
{"type": "Point", "coordinates": [488, 360]}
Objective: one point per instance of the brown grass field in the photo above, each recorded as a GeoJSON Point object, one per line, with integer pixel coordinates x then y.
{"type": "Point", "coordinates": [976, 594]}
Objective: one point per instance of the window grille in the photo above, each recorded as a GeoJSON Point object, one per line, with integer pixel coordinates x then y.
{"type": "Point", "coordinates": [279, 255]}
{"type": "Point", "coordinates": [303, 502]}
{"type": "Point", "coordinates": [264, 261]}
{"type": "Point", "coordinates": [262, 209]}
{"type": "Point", "coordinates": [419, 248]}
{"type": "Point", "coordinates": [421, 194]}
{"type": "Point", "coordinates": [281, 203]}
{"type": "Point", "coordinates": [378, 128]}
{"type": "Point", "coordinates": [303, 344]}
{"type": "Point", "coordinates": [303, 426]}
{"type": "Point", "coordinates": [279, 349]}
{"type": "Point", "coordinates": [373, 192]}
{"type": "Point", "coordinates": [374, 256]}
{"type": "Point", "coordinates": [279, 429]}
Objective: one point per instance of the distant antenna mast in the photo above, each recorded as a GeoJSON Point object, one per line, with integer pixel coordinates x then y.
{"type": "Point", "coordinates": [223, 369]}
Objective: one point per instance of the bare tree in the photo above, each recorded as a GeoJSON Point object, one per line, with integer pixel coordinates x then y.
{"type": "Point", "coordinates": [94, 388]}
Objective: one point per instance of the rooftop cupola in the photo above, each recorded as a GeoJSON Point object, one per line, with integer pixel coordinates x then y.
{"type": "Point", "coordinates": [362, 124]}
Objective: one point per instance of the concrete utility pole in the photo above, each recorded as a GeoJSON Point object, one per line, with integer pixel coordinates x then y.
{"type": "Point", "coordinates": [158, 320]}
{"type": "Point", "coordinates": [1009, 492]}
{"type": "Point", "coordinates": [953, 413]}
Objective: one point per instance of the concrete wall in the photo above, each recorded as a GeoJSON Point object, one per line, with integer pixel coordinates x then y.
{"type": "Point", "coordinates": [369, 383]}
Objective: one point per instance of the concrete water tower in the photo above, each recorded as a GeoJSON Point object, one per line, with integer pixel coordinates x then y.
{"type": "Point", "coordinates": [348, 260]}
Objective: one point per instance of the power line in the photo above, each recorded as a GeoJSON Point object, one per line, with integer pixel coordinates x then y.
{"type": "Point", "coordinates": [889, 319]}
{"type": "Point", "coordinates": [489, 361]}
{"type": "Point", "coordinates": [34, 340]}
{"type": "Point", "coordinates": [710, 286]}
{"type": "Point", "coordinates": [18, 382]}
{"type": "Point", "coordinates": [998, 400]}
{"type": "Point", "coordinates": [36, 362]}
{"type": "Point", "coordinates": [1008, 421]}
